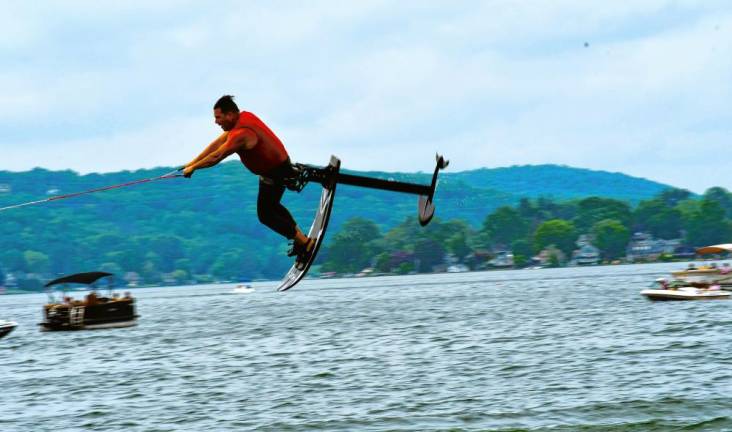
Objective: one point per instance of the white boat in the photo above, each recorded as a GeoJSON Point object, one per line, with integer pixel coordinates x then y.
{"type": "Point", "coordinates": [458, 268]}
{"type": "Point", "coordinates": [676, 291]}
{"type": "Point", "coordinates": [368, 271]}
{"type": "Point", "coordinates": [243, 289]}
{"type": "Point", "coordinates": [686, 293]}
{"type": "Point", "coordinates": [6, 327]}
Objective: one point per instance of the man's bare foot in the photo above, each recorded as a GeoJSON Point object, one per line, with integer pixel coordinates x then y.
{"type": "Point", "coordinates": [300, 238]}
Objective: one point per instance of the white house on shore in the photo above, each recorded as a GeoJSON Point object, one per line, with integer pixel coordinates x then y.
{"type": "Point", "coordinates": [587, 254]}
{"type": "Point", "coordinates": [643, 247]}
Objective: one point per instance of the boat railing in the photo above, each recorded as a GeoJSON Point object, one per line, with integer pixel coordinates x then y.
{"type": "Point", "coordinates": [68, 302]}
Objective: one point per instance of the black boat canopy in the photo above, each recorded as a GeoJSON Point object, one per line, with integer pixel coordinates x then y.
{"type": "Point", "coordinates": [81, 278]}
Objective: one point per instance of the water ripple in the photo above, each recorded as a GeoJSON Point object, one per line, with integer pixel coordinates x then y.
{"type": "Point", "coordinates": [554, 350]}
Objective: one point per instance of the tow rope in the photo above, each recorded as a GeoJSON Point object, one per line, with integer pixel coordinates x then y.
{"type": "Point", "coordinates": [170, 175]}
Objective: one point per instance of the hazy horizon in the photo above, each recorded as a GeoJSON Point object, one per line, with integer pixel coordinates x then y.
{"type": "Point", "coordinates": [423, 171]}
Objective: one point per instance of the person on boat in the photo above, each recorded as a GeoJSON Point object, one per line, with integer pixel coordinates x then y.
{"type": "Point", "coordinates": [91, 299]}
{"type": "Point", "coordinates": [264, 155]}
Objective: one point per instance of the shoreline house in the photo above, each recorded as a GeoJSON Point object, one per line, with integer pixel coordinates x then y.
{"type": "Point", "coordinates": [549, 257]}
{"type": "Point", "coordinates": [478, 259]}
{"type": "Point", "coordinates": [502, 259]}
{"type": "Point", "coordinates": [587, 254]}
{"type": "Point", "coordinates": [643, 247]}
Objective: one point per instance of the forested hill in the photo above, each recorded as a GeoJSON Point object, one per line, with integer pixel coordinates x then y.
{"type": "Point", "coordinates": [467, 195]}
{"type": "Point", "coordinates": [561, 182]}
{"type": "Point", "coordinates": [208, 224]}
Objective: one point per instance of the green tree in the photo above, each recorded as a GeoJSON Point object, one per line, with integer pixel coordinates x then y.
{"type": "Point", "coordinates": [505, 225]}
{"type": "Point", "coordinates": [169, 248]}
{"type": "Point", "coordinates": [382, 262]}
{"type": "Point", "coordinates": [522, 252]}
{"type": "Point", "coordinates": [522, 247]}
{"type": "Point", "coordinates": [153, 258]}
{"type": "Point", "coordinates": [707, 225]}
{"type": "Point", "coordinates": [402, 236]}
{"type": "Point", "coordinates": [672, 197]}
{"type": "Point", "coordinates": [106, 241]}
{"type": "Point", "coordinates": [353, 247]}
{"type": "Point", "coordinates": [227, 266]}
{"type": "Point", "coordinates": [204, 255]}
{"type": "Point", "coordinates": [592, 210]}
{"type": "Point", "coordinates": [128, 259]}
{"type": "Point", "coordinates": [611, 237]}
{"type": "Point", "coordinates": [150, 273]}
{"type": "Point", "coordinates": [428, 253]}
{"type": "Point", "coordinates": [183, 264]}
{"type": "Point", "coordinates": [13, 260]}
{"type": "Point", "coordinates": [526, 209]}
{"type": "Point", "coordinates": [657, 218]}
{"type": "Point", "coordinates": [548, 209]}
{"type": "Point", "coordinates": [688, 210]}
{"type": "Point", "coordinates": [557, 232]}
{"type": "Point", "coordinates": [36, 262]}
{"type": "Point", "coordinates": [180, 276]}
{"type": "Point", "coordinates": [722, 196]}
{"type": "Point", "coordinates": [458, 245]}
{"type": "Point", "coordinates": [404, 268]}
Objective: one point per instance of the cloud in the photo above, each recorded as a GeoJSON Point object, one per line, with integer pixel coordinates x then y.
{"type": "Point", "coordinates": [172, 143]}
{"type": "Point", "coordinates": [382, 85]}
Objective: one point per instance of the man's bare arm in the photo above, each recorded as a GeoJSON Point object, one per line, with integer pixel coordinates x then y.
{"type": "Point", "coordinates": [244, 140]}
{"type": "Point", "coordinates": [215, 144]}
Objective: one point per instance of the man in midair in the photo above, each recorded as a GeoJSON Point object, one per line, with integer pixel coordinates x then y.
{"type": "Point", "coordinates": [263, 154]}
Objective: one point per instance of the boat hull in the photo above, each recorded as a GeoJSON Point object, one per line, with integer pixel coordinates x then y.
{"type": "Point", "coordinates": [6, 328]}
{"type": "Point", "coordinates": [106, 314]}
{"type": "Point", "coordinates": [117, 324]}
{"type": "Point", "coordinates": [685, 294]}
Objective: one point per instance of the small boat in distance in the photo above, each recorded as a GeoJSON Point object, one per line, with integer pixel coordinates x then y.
{"type": "Point", "coordinates": [93, 312]}
{"type": "Point", "coordinates": [243, 289]}
{"type": "Point", "coordinates": [679, 290]}
{"type": "Point", "coordinates": [6, 327]}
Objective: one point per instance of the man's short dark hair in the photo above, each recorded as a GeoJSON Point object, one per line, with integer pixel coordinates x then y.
{"type": "Point", "coordinates": [226, 104]}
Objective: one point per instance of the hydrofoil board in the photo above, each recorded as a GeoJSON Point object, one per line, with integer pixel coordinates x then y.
{"type": "Point", "coordinates": [317, 229]}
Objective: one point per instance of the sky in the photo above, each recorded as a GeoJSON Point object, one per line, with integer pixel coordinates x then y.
{"type": "Point", "coordinates": [639, 87]}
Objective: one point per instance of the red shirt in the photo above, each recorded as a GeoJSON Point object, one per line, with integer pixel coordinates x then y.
{"type": "Point", "coordinates": [268, 153]}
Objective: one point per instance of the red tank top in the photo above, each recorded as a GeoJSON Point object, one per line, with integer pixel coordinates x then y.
{"type": "Point", "coordinates": [269, 151]}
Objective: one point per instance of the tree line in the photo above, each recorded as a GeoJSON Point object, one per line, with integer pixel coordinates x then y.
{"type": "Point", "coordinates": [531, 226]}
{"type": "Point", "coordinates": [208, 231]}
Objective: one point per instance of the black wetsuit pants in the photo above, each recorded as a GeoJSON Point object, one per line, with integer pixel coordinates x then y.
{"type": "Point", "coordinates": [269, 210]}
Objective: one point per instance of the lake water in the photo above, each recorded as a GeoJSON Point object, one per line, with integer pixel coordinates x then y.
{"type": "Point", "coordinates": [555, 349]}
